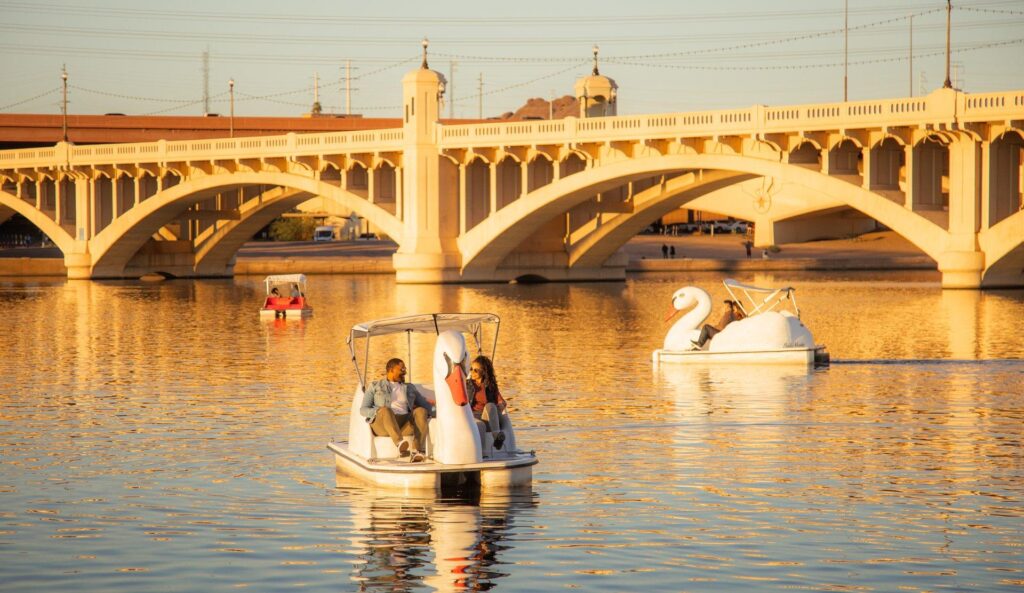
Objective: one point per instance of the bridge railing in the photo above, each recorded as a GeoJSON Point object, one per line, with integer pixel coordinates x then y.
{"type": "Point", "coordinates": [940, 107]}
{"type": "Point", "coordinates": [164, 151]}
{"type": "Point", "coordinates": [943, 106]}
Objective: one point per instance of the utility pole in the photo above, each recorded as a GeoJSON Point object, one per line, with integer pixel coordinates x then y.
{"type": "Point", "coordinates": [911, 79]}
{"type": "Point", "coordinates": [64, 102]}
{"type": "Point", "coordinates": [206, 81]}
{"type": "Point", "coordinates": [316, 94]}
{"type": "Point", "coordinates": [231, 94]}
{"type": "Point", "coordinates": [480, 89]}
{"type": "Point", "coordinates": [846, 47]}
{"type": "Point", "coordinates": [451, 90]}
{"type": "Point", "coordinates": [949, 15]}
{"type": "Point", "coordinates": [958, 78]}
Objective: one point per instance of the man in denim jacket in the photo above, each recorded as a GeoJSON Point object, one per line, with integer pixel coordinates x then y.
{"type": "Point", "coordinates": [395, 408]}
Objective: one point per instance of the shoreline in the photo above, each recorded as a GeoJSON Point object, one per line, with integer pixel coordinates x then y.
{"type": "Point", "coordinates": [875, 251]}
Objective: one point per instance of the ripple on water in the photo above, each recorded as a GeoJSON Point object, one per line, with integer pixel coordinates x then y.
{"type": "Point", "coordinates": [161, 436]}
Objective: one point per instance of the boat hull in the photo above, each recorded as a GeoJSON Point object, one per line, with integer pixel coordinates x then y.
{"type": "Point", "coordinates": [493, 475]}
{"type": "Point", "coordinates": [816, 356]}
{"type": "Point", "coordinates": [288, 313]}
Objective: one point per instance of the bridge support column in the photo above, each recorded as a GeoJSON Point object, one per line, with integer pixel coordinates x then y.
{"type": "Point", "coordinates": [79, 261]}
{"type": "Point", "coordinates": [428, 251]}
{"type": "Point", "coordinates": [963, 264]}
{"type": "Point", "coordinates": [764, 232]}
{"type": "Point", "coordinates": [961, 269]}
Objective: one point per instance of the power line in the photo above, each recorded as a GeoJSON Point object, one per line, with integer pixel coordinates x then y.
{"type": "Point", "coordinates": [30, 99]}
{"type": "Point", "coordinates": [812, 66]}
{"type": "Point", "coordinates": [420, 21]}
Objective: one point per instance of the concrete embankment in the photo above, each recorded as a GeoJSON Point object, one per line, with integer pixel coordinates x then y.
{"type": "Point", "coordinates": [809, 264]}
{"type": "Point", "coordinates": [313, 265]}
{"type": "Point", "coordinates": [24, 266]}
{"type": "Point", "coordinates": [647, 254]}
{"type": "Point", "coordinates": [31, 266]}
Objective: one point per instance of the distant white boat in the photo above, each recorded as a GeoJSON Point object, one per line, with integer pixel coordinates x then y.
{"type": "Point", "coordinates": [283, 304]}
{"type": "Point", "coordinates": [456, 456]}
{"type": "Point", "coordinates": [768, 334]}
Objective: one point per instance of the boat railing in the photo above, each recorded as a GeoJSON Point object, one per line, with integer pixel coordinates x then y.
{"type": "Point", "coordinates": [753, 306]}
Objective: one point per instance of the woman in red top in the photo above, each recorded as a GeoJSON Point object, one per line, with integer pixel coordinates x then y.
{"type": "Point", "coordinates": [488, 404]}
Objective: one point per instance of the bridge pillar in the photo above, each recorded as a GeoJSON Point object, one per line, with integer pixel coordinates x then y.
{"type": "Point", "coordinates": [428, 252]}
{"type": "Point", "coordinates": [764, 232]}
{"type": "Point", "coordinates": [962, 269]}
{"type": "Point", "coordinates": [79, 261]}
{"type": "Point", "coordinates": [963, 264]}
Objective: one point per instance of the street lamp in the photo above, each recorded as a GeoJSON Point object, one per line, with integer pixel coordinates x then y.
{"type": "Point", "coordinates": [231, 93]}
{"type": "Point", "coordinates": [64, 103]}
{"type": "Point", "coordinates": [949, 17]}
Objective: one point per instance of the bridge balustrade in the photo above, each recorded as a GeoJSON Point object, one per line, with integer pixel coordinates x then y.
{"type": "Point", "coordinates": [917, 154]}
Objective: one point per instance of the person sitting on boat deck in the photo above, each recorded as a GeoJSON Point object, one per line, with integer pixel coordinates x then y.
{"type": "Point", "coordinates": [732, 313]}
{"type": "Point", "coordinates": [295, 292]}
{"type": "Point", "coordinates": [488, 404]}
{"type": "Point", "coordinates": [275, 293]}
{"type": "Point", "coordinates": [395, 409]}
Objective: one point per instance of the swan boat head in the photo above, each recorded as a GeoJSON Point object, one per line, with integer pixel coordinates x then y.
{"type": "Point", "coordinates": [685, 330]}
{"type": "Point", "coordinates": [455, 438]}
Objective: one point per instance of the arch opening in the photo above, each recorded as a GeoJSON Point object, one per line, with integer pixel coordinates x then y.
{"type": "Point", "coordinates": [509, 182]}
{"type": "Point", "coordinates": [1006, 178]}
{"type": "Point", "coordinates": [477, 192]}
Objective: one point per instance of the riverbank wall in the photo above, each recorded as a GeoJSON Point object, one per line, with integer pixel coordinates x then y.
{"type": "Point", "coordinates": [12, 267]}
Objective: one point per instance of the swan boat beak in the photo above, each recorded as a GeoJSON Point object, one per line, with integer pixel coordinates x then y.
{"type": "Point", "coordinates": [456, 380]}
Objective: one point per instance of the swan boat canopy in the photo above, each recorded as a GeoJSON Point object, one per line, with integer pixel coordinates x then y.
{"type": "Point", "coordinates": [770, 331]}
{"type": "Point", "coordinates": [456, 455]}
{"type": "Point", "coordinates": [284, 305]}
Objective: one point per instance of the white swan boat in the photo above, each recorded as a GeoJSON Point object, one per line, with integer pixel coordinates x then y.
{"type": "Point", "coordinates": [770, 333]}
{"type": "Point", "coordinates": [456, 456]}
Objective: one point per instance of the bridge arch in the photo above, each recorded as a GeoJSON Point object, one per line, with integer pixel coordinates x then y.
{"type": "Point", "coordinates": [488, 243]}
{"type": "Point", "coordinates": [60, 237]}
{"type": "Point", "coordinates": [114, 247]}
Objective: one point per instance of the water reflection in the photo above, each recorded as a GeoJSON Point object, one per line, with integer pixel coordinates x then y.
{"type": "Point", "coordinates": [161, 437]}
{"type": "Point", "coordinates": [401, 542]}
{"type": "Point", "coordinates": [761, 391]}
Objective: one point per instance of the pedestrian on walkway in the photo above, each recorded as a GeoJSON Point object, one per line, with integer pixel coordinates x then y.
{"type": "Point", "coordinates": [664, 251]}
{"type": "Point", "coordinates": [672, 252]}
{"type": "Point", "coordinates": [750, 246]}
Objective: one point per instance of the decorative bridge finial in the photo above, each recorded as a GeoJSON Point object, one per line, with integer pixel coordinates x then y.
{"type": "Point", "coordinates": [595, 60]}
{"type": "Point", "coordinates": [426, 43]}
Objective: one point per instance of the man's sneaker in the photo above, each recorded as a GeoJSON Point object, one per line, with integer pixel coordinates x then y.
{"type": "Point", "coordinates": [499, 440]}
{"type": "Point", "coordinates": [416, 457]}
{"type": "Point", "coordinates": [403, 449]}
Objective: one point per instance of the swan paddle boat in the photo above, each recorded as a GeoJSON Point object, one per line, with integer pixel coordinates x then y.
{"type": "Point", "coordinates": [770, 333]}
{"type": "Point", "coordinates": [456, 455]}
{"type": "Point", "coordinates": [281, 304]}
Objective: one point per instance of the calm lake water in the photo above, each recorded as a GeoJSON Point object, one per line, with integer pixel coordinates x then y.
{"type": "Point", "coordinates": [161, 437]}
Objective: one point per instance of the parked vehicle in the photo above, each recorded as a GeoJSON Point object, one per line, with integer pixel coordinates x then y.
{"type": "Point", "coordinates": [324, 233]}
{"type": "Point", "coordinates": [735, 226]}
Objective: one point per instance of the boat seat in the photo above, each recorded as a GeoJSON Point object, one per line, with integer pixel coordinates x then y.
{"type": "Point", "coordinates": [383, 448]}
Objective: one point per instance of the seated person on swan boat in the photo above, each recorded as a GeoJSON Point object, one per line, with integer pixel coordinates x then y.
{"type": "Point", "coordinates": [395, 409]}
{"type": "Point", "coordinates": [732, 313]}
{"type": "Point", "coordinates": [488, 404]}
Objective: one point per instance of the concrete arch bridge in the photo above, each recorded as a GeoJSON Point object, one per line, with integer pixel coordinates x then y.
{"type": "Point", "coordinates": [556, 199]}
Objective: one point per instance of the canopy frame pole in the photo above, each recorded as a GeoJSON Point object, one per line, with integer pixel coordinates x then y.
{"type": "Point", "coordinates": [408, 349]}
